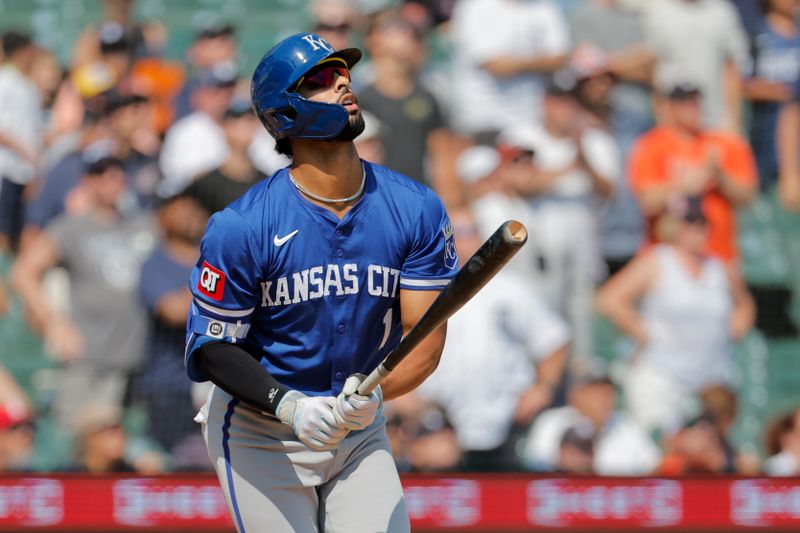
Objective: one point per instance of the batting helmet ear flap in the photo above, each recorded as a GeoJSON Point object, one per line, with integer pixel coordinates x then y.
{"type": "Point", "coordinates": [276, 119]}
{"type": "Point", "coordinates": [305, 119]}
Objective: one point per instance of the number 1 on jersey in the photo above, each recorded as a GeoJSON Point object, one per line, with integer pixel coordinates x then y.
{"type": "Point", "coordinates": [387, 327]}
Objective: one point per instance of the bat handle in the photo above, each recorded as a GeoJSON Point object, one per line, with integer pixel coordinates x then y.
{"type": "Point", "coordinates": [372, 381]}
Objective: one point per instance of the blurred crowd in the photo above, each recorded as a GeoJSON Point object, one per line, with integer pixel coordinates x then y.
{"type": "Point", "coordinates": [649, 146]}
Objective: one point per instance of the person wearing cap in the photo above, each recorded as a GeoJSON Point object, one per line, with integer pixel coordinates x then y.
{"type": "Point", "coordinates": [683, 158]}
{"type": "Point", "coordinates": [486, 174]}
{"type": "Point", "coordinates": [59, 187]}
{"type": "Point", "coordinates": [137, 142]}
{"type": "Point", "coordinates": [110, 115]}
{"type": "Point", "coordinates": [216, 189]}
{"type": "Point", "coordinates": [684, 309]}
{"type": "Point", "coordinates": [620, 220]}
{"type": "Point", "coordinates": [102, 249]}
{"type": "Point", "coordinates": [418, 143]}
{"type": "Point", "coordinates": [103, 445]}
{"type": "Point", "coordinates": [620, 447]}
{"type": "Point", "coordinates": [117, 30]}
{"type": "Point", "coordinates": [162, 386]}
{"type": "Point", "coordinates": [100, 440]}
{"type": "Point", "coordinates": [502, 363]}
{"type": "Point", "coordinates": [214, 43]}
{"type": "Point", "coordinates": [197, 144]}
{"type": "Point", "coordinates": [697, 448]}
{"type": "Point", "coordinates": [421, 436]}
{"type": "Point", "coordinates": [575, 169]}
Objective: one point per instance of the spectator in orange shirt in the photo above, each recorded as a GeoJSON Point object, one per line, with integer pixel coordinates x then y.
{"type": "Point", "coordinates": [681, 158]}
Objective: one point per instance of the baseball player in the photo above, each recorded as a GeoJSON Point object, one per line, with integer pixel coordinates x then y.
{"type": "Point", "coordinates": [303, 286]}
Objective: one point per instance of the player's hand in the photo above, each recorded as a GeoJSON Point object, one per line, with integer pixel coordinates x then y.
{"type": "Point", "coordinates": [312, 419]}
{"type": "Point", "coordinates": [354, 411]}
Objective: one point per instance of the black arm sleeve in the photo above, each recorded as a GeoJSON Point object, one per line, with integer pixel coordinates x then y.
{"type": "Point", "coordinates": [238, 373]}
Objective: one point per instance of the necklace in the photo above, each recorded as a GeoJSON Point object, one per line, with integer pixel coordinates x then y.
{"type": "Point", "coordinates": [332, 200]}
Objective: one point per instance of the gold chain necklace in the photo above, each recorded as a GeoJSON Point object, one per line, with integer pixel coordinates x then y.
{"type": "Point", "coordinates": [332, 200]}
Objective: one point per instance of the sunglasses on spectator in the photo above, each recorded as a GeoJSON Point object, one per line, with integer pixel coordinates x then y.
{"type": "Point", "coordinates": [323, 75]}
{"type": "Point", "coordinates": [344, 27]}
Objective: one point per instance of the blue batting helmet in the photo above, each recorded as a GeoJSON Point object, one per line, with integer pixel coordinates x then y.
{"type": "Point", "coordinates": [287, 114]}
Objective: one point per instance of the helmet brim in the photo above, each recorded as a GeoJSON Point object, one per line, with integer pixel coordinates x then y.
{"type": "Point", "coordinates": [351, 56]}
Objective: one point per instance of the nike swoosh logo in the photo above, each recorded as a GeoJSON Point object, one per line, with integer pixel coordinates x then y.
{"type": "Point", "coordinates": [280, 241]}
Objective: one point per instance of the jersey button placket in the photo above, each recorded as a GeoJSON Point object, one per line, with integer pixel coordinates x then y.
{"type": "Point", "coordinates": [339, 313]}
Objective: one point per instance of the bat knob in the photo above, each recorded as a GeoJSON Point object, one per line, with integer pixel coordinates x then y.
{"type": "Point", "coordinates": [515, 232]}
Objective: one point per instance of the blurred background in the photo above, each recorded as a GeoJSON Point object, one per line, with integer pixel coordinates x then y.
{"type": "Point", "coordinates": [649, 327]}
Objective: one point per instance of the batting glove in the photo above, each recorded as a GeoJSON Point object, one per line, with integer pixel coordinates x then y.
{"type": "Point", "coordinates": [312, 419]}
{"type": "Point", "coordinates": [354, 411]}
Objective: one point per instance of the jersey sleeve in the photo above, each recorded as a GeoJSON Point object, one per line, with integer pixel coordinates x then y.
{"type": "Point", "coordinates": [224, 284]}
{"type": "Point", "coordinates": [432, 260]}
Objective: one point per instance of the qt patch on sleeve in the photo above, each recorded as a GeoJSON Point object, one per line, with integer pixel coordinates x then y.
{"type": "Point", "coordinates": [211, 282]}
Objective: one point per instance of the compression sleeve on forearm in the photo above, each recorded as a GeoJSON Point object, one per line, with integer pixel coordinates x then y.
{"type": "Point", "coordinates": [238, 373]}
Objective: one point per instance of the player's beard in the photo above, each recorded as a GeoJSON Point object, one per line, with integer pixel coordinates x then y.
{"type": "Point", "coordinates": [354, 127]}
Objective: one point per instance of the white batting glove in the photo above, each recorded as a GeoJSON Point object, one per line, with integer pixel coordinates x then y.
{"type": "Point", "coordinates": [352, 410]}
{"type": "Point", "coordinates": [312, 419]}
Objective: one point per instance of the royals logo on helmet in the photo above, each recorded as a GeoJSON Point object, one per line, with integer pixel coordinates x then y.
{"type": "Point", "coordinates": [317, 43]}
{"type": "Point", "coordinates": [211, 282]}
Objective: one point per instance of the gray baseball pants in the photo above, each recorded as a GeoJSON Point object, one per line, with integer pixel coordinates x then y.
{"type": "Point", "coordinates": [273, 483]}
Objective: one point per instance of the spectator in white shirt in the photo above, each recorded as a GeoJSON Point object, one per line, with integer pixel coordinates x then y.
{"type": "Point", "coordinates": [501, 364]}
{"type": "Point", "coordinates": [684, 310]}
{"type": "Point", "coordinates": [20, 132]}
{"type": "Point", "coordinates": [574, 168]}
{"type": "Point", "coordinates": [502, 49]}
{"type": "Point", "coordinates": [620, 446]}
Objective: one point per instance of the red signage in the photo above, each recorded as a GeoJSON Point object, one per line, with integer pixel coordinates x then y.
{"type": "Point", "coordinates": [31, 502]}
{"type": "Point", "coordinates": [435, 503]}
{"type": "Point", "coordinates": [584, 503]}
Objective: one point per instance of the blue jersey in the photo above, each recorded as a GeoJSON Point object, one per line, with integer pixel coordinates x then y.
{"type": "Point", "coordinates": [316, 297]}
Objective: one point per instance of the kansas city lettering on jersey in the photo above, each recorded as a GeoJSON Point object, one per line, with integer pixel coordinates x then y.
{"type": "Point", "coordinates": [321, 281]}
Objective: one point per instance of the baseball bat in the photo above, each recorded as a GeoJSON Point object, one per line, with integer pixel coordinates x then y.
{"type": "Point", "coordinates": [481, 267]}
